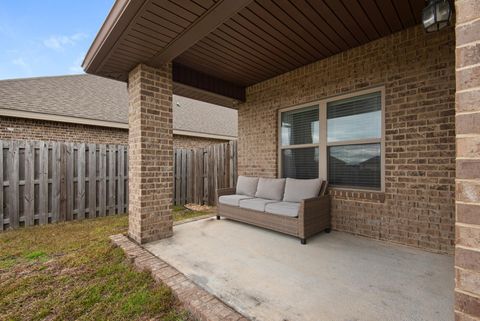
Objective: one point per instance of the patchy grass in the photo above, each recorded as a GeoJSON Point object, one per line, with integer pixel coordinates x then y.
{"type": "Point", "coordinates": [181, 212]}
{"type": "Point", "coordinates": [70, 271]}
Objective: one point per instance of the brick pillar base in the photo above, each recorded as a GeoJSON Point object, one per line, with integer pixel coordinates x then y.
{"type": "Point", "coordinates": [150, 153]}
{"type": "Point", "coordinates": [467, 249]}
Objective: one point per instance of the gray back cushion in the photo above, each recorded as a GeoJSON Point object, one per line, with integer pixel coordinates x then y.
{"type": "Point", "coordinates": [271, 188]}
{"type": "Point", "coordinates": [247, 185]}
{"type": "Point", "coordinates": [297, 190]}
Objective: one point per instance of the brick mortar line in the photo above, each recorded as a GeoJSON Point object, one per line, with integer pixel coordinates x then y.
{"type": "Point", "coordinates": [466, 225]}
{"type": "Point", "coordinates": [473, 43]}
{"type": "Point", "coordinates": [466, 23]}
{"type": "Point", "coordinates": [467, 112]}
{"type": "Point", "coordinates": [468, 180]}
{"type": "Point", "coordinates": [466, 90]}
{"type": "Point", "coordinates": [467, 67]}
{"type": "Point", "coordinates": [465, 270]}
{"type": "Point", "coordinates": [474, 295]}
{"type": "Point", "coordinates": [468, 136]}
{"type": "Point", "coordinates": [201, 304]}
{"type": "Point", "coordinates": [467, 203]}
{"type": "Point", "coordinates": [466, 314]}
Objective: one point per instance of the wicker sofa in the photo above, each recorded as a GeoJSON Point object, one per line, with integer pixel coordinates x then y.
{"type": "Point", "coordinates": [290, 206]}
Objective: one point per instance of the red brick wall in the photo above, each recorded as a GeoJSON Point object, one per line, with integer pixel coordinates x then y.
{"type": "Point", "coordinates": [418, 72]}
{"type": "Point", "coordinates": [467, 251]}
{"type": "Point", "coordinates": [30, 129]}
{"type": "Point", "coordinates": [180, 141]}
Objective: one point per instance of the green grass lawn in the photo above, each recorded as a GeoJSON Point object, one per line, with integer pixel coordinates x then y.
{"type": "Point", "coordinates": [70, 271]}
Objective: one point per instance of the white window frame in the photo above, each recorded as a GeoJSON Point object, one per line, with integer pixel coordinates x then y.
{"type": "Point", "coordinates": [323, 145]}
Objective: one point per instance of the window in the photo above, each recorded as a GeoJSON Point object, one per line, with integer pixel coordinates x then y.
{"type": "Point", "coordinates": [299, 141]}
{"type": "Point", "coordinates": [340, 139]}
{"type": "Point", "coordinates": [353, 138]}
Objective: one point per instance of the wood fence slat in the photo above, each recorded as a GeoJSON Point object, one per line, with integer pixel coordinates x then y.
{"type": "Point", "coordinates": [199, 176]}
{"type": "Point", "coordinates": [81, 181]}
{"type": "Point", "coordinates": [178, 157]}
{"type": "Point", "coordinates": [126, 180]}
{"type": "Point", "coordinates": [43, 183]}
{"type": "Point", "coordinates": [111, 179]}
{"type": "Point", "coordinates": [92, 180]}
{"type": "Point", "coordinates": [1, 186]}
{"type": "Point", "coordinates": [69, 149]}
{"type": "Point", "coordinates": [184, 177]}
{"type": "Point", "coordinates": [205, 174]}
{"type": "Point", "coordinates": [121, 180]}
{"type": "Point", "coordinates": [29, 189]}
{"type": "Point", "coordinates": [190, 176]}
{"type": "Point", "coordinates": [63, 182]}
{"type": "Point", "coordinates": [214, 177]}
{"type": "Point", "coordinates": [13, 166]}
{"type": "Point", "coordinates": [102, 189]}
{"type": "Point", "coordinates": [55, 182]}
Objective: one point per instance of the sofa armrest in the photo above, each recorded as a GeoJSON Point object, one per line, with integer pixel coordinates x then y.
{"type": "Point", "coordinates": [225, 191]}
{"type": "Point", "coordinates": [314, 215]}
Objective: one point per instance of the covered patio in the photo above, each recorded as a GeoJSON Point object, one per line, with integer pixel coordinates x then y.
{"type": "Point", "coordinates": [353, 92]}
{"type": "Point", "coordinates": [268, 276]}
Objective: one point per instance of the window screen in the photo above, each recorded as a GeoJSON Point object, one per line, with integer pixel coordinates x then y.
{"type": "Point", "coordinates": [300, 162]}
{"type": "Point", "coordinates": [300, 126]}
{"type": "Point", "coordinates": [355, 118]}
{"type": "Point", "coordinates": [355, 166]}
{"type": "Point", "coordinates": [357, 123]}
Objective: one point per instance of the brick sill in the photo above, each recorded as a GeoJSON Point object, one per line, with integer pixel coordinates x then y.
{"type": "Point", "coordinates": [352, 194]}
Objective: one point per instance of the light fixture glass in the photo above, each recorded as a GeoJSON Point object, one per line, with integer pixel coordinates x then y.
{"type": "Point", "coordinates": [436, 15]}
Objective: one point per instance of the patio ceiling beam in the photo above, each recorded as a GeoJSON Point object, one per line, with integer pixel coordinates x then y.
{"type": "Point", "coordinates": [195, 79]}
{"type": "Point", "coordinates": [214, 17]}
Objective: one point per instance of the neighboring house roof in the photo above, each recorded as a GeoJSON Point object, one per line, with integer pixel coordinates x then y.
{"type": "Point", "coordinates": [88, 99]}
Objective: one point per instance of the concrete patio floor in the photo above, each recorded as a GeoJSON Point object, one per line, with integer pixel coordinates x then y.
{"type": "Point", "coordinates": [269, 276]}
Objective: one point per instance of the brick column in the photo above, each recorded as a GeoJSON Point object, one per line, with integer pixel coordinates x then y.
{"type": "Point", "coordinates": [151, 153]}
{"type": "Point", "coordinates": [467, 249]}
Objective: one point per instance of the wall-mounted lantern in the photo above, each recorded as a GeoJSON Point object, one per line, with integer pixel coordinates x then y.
{"type": "Point", "coordinates": [436, 15]}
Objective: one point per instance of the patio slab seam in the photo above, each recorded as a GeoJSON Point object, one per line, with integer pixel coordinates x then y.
{"type": "Point", "coordinates": [202, 304]}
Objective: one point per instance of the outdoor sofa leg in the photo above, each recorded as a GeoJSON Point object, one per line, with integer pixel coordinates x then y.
{"type": "Point", "coordinates": [303, 241]}
{"type": "Point", "coordinates": [218, 217]}
{"type": "Point", "coordinates": [328, 230]}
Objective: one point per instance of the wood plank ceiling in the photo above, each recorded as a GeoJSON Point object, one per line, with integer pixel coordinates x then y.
{"type": "Point", "coordinates": [263, 39]}
{"type": "Point", "coordinates": [270, 37]}
{"type": "Point", "coordinates": [156, 25]}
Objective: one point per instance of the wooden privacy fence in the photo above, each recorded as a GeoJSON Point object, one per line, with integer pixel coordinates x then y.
{"type": "Point", "coordinates": [199, 172]}
{"type": "Point", "coordinates": [44, 182]}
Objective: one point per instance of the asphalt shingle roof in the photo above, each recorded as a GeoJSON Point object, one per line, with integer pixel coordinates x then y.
{"type": "Point", "coordinates": [97, 98]}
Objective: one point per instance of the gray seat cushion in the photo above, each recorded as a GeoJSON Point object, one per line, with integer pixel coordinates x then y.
{"type": "Point", "coordinates": [283, 208]}
{"type": "Point", "coordinates": [232, 200]}
{"type": "Point", "coordinates": [247, 185]}
{"type": "Point", "coordinates": [270, 188]}
{"type": "Point", "coordinates": [257, 204]}
{"type": "Point", "coordinates": [297, 190]}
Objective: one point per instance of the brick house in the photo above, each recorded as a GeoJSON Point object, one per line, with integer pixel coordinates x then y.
{"type": "Point", "coordinates": [356, 92]}
{"type": "Point", "coordinates": [91, 109]}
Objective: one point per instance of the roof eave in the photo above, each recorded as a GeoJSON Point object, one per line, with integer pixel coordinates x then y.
{"type": "Point", "coordinates": [122, 12]}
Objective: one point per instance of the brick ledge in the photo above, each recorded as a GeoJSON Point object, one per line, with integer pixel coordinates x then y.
{"type": "Point", "coordinates": [203, 305]}
{"type": "Point", "coordinates": [352, 194]}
